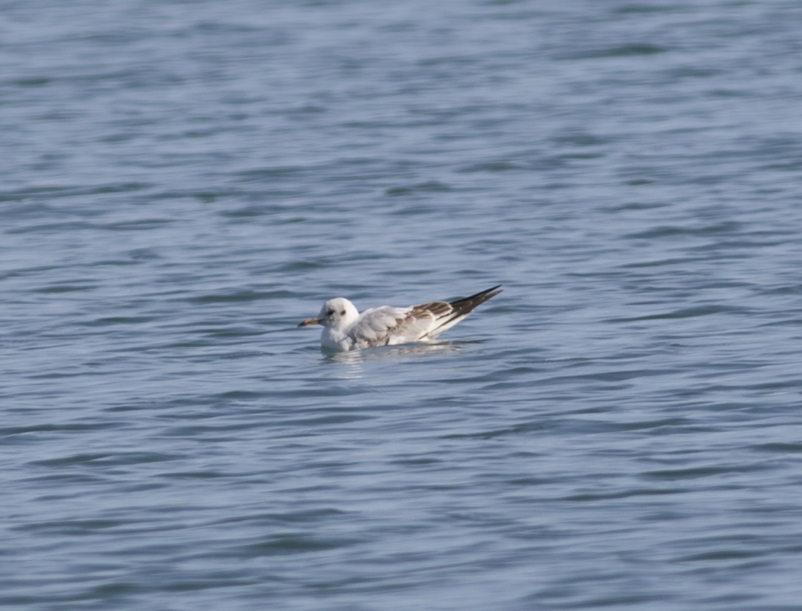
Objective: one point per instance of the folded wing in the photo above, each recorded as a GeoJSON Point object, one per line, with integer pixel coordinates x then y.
{"type": "Point", "coordinates": [387, 325]}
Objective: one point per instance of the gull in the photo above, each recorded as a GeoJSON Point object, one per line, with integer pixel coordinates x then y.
{"type": "Point", "coordinates": [344, 328]}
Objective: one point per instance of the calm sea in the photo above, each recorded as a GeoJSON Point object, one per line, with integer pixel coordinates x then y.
{"type": "Point", "coordinates": [182, 182]}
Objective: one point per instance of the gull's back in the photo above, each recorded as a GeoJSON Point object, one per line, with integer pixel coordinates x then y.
{"type": "Point", "coordinates": [388, 326]}
{"type": "Point", "coordinates": [346, 329]}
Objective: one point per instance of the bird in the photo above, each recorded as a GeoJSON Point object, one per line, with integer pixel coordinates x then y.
{"type": "Point", "coordinates": [344, 328]}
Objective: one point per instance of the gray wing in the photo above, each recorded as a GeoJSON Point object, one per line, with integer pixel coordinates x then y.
{"type": "Point", "coordinates": [387, 326]}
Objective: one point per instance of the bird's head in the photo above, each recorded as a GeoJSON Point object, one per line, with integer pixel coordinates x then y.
{"type": "Point", "coordinates": [337, 312]}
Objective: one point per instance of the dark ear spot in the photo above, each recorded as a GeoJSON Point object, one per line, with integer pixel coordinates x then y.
{"type": "Point", "coordinates": [342, 313]}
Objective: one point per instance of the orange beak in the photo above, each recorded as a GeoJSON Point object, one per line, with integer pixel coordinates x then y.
{"type": "Point", "coordinates": [310, 321]}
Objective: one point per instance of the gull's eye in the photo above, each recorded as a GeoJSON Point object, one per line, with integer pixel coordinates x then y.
{"type": "Point", "coordinates": [330, 313]}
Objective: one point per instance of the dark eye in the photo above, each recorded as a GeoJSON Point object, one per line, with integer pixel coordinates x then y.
{"type": "Point", "coordinates": [330, 312]}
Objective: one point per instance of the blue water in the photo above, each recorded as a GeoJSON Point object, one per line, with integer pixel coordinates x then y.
{"type": "Point", "coordinates": [183, 182]}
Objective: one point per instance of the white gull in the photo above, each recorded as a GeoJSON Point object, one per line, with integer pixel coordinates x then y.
{"type": "Point", "coordinates": [344, 328]}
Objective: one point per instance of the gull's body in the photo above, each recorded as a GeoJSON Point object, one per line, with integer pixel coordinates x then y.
{"type": "Point", "coordinates": [344, 328]}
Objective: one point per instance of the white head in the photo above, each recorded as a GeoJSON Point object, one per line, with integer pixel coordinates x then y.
{"type": "Point", "coordinates": [337, 313]}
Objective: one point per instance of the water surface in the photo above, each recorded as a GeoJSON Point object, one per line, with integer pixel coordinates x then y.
{"type": "Point", "coordinates": [183, 182]}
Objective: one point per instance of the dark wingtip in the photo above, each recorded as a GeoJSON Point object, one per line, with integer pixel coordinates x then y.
{"type": "Point", "coordinates": [465, 306]}
{"type": "Point", "coordinates": [486, 294]}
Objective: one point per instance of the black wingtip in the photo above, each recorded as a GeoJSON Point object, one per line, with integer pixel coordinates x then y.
{"type": "Point", "coordinates": [486, 294]}
{"type": "Point", "coordinates": [463, 307]}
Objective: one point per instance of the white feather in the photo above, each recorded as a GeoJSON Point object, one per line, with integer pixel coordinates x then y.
{"type": "Point", "coordinates": [344, 328]}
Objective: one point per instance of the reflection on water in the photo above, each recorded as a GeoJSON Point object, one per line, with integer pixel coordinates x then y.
{"type": "Point", "coordinates": [354, 358]}
{"type": "Point", "coordinates": [393, 352]}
